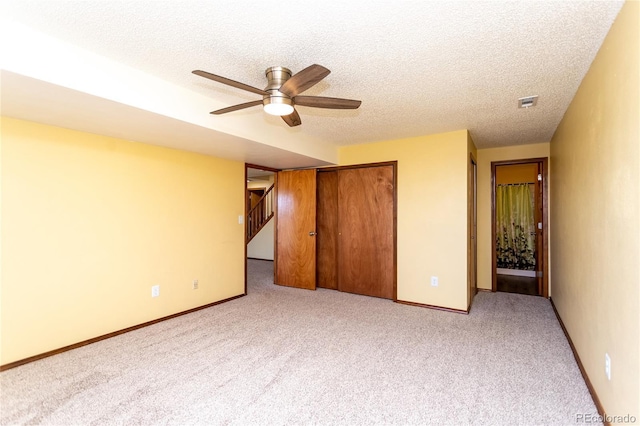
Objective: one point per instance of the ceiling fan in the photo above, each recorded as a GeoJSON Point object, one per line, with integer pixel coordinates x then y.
{"type": "Point", "coordinates": [282, 93]}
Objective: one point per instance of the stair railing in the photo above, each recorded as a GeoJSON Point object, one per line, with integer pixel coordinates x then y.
{"type": "Point", "coordinates": [260, 214]}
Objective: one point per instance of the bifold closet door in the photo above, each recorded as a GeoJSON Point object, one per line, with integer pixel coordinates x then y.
{"type": "Point", "coordinates": [365, 231]}
{"type": "Point", "coordinates": [327, 222]}
{"type": "Point", "coordinates": [296, 229]}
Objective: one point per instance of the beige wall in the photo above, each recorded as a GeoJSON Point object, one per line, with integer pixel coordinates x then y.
{"type": "Point", "coordinates": [264, 182]}
{"type": "Point", "coordinates": [596, 225]}
{"type": "Point", "coordinates": [485, 157]}
{"type": "Point", "coordinates": [90, 223]}
{"type": "Point", "coordinates": [432, 213]}
{"type": "Point", "coordinates": [262, 245]}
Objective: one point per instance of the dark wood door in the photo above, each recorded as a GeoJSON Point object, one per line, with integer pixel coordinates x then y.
{"type": "Point", "coordinates": [473, 228]}
{"type": "Point", "coordinates": [366, 231]}
{"type": "Point", "coordinates": [295, 229]}
{"type": "Point", "coordinates": [327, 222]}
{"type": "Point", "coordinates": [254, 196]}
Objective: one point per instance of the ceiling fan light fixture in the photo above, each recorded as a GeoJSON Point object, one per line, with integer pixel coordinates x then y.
{"type": "Point", "coordinates": [277, 105]}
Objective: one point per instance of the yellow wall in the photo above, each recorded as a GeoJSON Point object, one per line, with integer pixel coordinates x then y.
{"type": "Point", "coordinates": [485, 157]}
{"type": "Point", "coordinates": [432, 213]}
{"type": "Point", "coordinates": [90, 223]}
{"type": "Point", "coordinates": [517, 173]}
{"type": "Point", "coordinates": [596, 226]}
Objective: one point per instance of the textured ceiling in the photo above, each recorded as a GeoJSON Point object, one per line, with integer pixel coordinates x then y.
{"type": "Point", "coordinates": [420, 67]}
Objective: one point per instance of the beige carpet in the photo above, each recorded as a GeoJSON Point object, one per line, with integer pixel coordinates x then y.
{"type": "Point", "coordinates": [288, 356]}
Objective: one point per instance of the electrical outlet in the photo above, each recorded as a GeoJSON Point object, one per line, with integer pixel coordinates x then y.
{"type": "Point", "coordinates": [434, 281]}
{"type": "Point", "coordinates": [155, 291]}
{"type": "Point", "coordinates": [607, 366]}
{"type": "Point", "coordinates": [195, 284]}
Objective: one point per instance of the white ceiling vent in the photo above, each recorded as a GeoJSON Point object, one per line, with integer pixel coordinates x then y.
{"type": "Point", "coordinates": [528, 101]}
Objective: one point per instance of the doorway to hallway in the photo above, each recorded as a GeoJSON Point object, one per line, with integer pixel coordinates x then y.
{"type": "Point", "coordinates": [259, 217]}
{"type": "Point", "coordinates": [519, 226]}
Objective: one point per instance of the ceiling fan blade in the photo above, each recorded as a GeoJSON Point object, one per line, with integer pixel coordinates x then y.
{"type": "Point", "coordinates": [236, 107]}
{"type": "Point", "coordinates": [304, 80]}
{"type": "Point", "coordinates": [229, 82]}
{"type": "Point", "coordinates": [292, 119]}
{"type": "Point", "coordinates": [323, 102]}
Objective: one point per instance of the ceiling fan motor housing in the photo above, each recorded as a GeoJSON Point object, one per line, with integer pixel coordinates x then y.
{"type": "Point", "coordinates": [276, 77]}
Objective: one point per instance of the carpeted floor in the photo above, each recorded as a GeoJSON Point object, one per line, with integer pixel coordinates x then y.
{"type": "Point", "coordinates": [288, 356]}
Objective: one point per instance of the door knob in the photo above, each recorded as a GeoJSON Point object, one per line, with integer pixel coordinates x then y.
{"type": "Point", "coordinates": [311, 234]}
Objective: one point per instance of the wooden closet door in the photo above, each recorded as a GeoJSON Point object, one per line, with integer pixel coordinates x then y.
{"type": "Point", "coordinates": [295, 229]}
{"type": "Point", "coordinates": [327, 222]}
{"type": "Point", "coordinates": [366, 229]}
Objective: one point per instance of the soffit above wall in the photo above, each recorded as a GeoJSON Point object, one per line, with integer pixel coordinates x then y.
{"type": "Point", "coordinates": [419, 67]}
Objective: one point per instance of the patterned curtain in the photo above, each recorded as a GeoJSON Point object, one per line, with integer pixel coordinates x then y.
{"type": "Point", "coordinates": [515, 227]}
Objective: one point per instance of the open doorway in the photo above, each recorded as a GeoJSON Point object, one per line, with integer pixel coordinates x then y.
{"type": "Point", "coordinates": [260, 207]}
{"type": "Point", "coordinates": [519, 227]}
